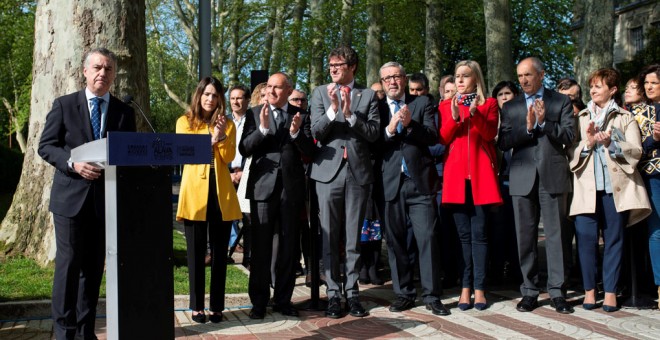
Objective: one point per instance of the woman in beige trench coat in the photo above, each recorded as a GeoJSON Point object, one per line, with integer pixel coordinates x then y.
{"type": "Point", "coordinates": [608, 193]}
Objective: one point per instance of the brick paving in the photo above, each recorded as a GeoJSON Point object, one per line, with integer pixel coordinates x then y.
{"type": "Point", "coordinates": [499, 321]}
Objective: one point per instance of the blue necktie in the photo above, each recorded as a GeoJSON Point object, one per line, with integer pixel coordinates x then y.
{"type": "Point", "coordinates": [399, 129]}
{"type": "Point", "coordinates": [96, 116]}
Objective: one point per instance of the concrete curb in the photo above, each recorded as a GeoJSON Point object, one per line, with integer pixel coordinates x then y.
{"type": "Point", "coordinates": [14, 310]}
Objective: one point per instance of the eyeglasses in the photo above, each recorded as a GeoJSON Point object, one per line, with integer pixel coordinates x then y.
{"type": "Point", "coordinates": [337, 65]}
{"type": "Point", "coordinates": [395, 77]}
{"type": "Point", "coordinates": [297, 99]}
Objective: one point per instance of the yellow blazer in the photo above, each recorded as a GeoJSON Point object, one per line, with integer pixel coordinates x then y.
{"type": "Point", "coordinates": [194, 191]}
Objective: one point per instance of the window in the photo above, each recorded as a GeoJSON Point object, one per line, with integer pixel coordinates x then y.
{"type": "Point", "coordinates": [637, 39]}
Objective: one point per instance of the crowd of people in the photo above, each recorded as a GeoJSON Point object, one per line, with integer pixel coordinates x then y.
{"type": "Point", "coordinates": [383, 163]}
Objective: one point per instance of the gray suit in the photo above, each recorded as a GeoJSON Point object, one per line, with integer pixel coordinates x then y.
{"type": "Point", "coordinates": [539, 177]}
{"type": "Point", "coordinates": [343, 183]}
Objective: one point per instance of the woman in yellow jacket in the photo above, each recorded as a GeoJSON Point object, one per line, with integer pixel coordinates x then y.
{"type": "Point", "coordinates": [208, 198]}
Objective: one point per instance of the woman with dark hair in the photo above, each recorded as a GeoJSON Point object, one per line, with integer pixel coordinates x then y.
{"type": "Point", "coordinates": [468, 129]}
{"type": "Point", "coordinates": [504, 263]}
{"type": "Point", "coordinates": [207, 199]}
{"type": "Point", "coordinates": [608, 191]}
{"type": "Point", "coordinates": [645, 112]}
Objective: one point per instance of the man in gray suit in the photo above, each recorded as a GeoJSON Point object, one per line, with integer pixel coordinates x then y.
{"type": "Point", "coordinates": [406, 188]}
{"type": "Point", "coordinates": [344, 122]}
{"type": "Point", "coordinates": [537, 126]}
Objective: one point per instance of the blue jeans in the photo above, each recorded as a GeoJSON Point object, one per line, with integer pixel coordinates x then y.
{"type": "Point", "coordinates": [586, 231]}
{"type": "Point", "coordinates": [653, 222]}
{"type": "Point", "coordinates": [470, 222]}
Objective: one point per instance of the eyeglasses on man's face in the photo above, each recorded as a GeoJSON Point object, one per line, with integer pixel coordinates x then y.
{"type": "Point", "coordinates": [395, 77]}
{"type": "Point", "coordinates": [302, 100]}
{"type": "Point", "coordinates": [336, 65]}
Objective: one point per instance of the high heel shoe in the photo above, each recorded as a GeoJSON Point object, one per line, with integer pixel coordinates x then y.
{"type": "Point", "coordinates": [480, 305]}
{"type": "Point", "coordinates": [199, 317]}
{"type": "Point", "coordinates": [215, 317]}
{"type": "Point", "coordinates": [464, 306]}
{"type": "Point", "coordinates": [589, 306]}
{"type": "Point", "coordinates": [610, 309]}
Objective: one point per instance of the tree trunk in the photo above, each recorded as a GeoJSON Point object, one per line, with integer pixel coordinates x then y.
{"type": "Point", "coordinates": [268, 40]}
{"type": "Point", "coordinates": [347, 22]}
{"type": "Point", "coordinates": [278, 31]}
{"type": "Point", "coordinates": [317, 71]}
{"type": "Point", "coordinates": [497, 16]}
{"type": "Point", "coordinates": [295, 41]}
{"type": "Point", "coordinates": [433, 45]}
{"type": "Point", "coordinates": [235, 41]}
{"type": "Point", "coordinates": [64, 31]}
{"type": "Point", "coordinates": [374, 42]}
{"type": "Point", "coordinates": [597, 40]}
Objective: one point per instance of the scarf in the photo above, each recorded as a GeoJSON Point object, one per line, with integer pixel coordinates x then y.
{"type": "Point", "coordinates": [599, 116]}
{"type": "Point", "coordinates": [466, 99]}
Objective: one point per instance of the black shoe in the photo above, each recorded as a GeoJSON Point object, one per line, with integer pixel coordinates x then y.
{"type": "Point", "coordinates": [438, 308]}
{"type": "Point", "coordinates": [561, 306]}
{"type": "Point", "coordinates": [256, 314]}
{"type": "Point", "coordinates": [199, 317]}
{"type": "Point", "coordinates": [355, 307]}
{"type": "Point", "coordinates": [334, 308]}
{"type": "Point", "coordinates": [287, 310]}
{"type": "Point", "coordinates": [215, 317]}
{"type": "Point", "coordinates": [401, 304]}
{"type": "Point", "coordinates": [610, 309]}
{"type": "Point", "coordinates": [527, 304]}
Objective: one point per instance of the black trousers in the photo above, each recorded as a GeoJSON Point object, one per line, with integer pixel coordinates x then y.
{"type": "Point", "coordinates": [79, 262]}
{"type": "Point", "coordinates": [218, 238]}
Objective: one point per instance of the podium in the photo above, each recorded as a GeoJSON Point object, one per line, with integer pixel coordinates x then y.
{"type": "Point", "coordinates": [138, 214]}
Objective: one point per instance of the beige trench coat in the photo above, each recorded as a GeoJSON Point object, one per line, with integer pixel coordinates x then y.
{"type": "Point", "coordinates": [627, 185]}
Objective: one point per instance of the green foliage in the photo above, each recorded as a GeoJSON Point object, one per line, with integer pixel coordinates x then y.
{"type": "Point", "coordinates": [647, 56]}
{"type": "Point", "coordinates": [542, 29]}
{"type": "Point", "coordinates": [16, 46]}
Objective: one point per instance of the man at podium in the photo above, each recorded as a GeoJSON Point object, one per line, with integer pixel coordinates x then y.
{"type": "Point", "coordinates": [77, 194]}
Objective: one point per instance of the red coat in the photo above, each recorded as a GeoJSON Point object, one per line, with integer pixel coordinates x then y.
{"type": "Point", "coordinates": [471, 153]}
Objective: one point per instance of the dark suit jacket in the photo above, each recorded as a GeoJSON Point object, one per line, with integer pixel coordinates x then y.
{"type": "Point", "coordinates": [544, 150]}
{"type": "Point", "coordinates": [276, 154]}
{"type": "Point", "coordinates": [336, 135]}
{"type": "Point", "coordinates": [413, 145]}
{"type": "Point", "coordinates": [68, 126]}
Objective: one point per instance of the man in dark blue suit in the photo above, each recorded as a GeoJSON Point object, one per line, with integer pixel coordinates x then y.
{"type": "Point", "coordinates": [405, 189]}
{"type": "Point", "coordinates": [276, 135]}
{"type": "Point", "coordinates": [77, 198]}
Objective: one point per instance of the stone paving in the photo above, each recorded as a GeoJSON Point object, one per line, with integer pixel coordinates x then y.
{"type": "Point", "coordinates": [500, 321]}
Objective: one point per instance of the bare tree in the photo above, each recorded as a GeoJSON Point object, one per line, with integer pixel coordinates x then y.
{"type": "Point", "coordinates": [433, 45]}
{"type": "Point", "coordinates": [497, 14]}
{"type": "Point", "coordinates": [61, 41]}
{"type": "Point", "coordinates": [374, 41]}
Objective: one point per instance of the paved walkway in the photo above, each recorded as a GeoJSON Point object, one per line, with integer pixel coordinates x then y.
{"type": "Point", "coordinates": [500, 321]}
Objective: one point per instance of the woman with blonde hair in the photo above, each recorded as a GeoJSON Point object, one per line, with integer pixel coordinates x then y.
{"type": "Point", "coordinates": [470, 185]}
{"type": "Point", "coordinates": [207, 198]}
{"type": "Point", "coordinates": [258, 95]}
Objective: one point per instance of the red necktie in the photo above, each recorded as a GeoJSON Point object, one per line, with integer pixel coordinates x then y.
{"type": "Point", "coordinates": [347, 92]}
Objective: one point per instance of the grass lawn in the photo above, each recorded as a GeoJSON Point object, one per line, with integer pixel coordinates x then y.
{"type": "Point", "coordinates": [23, 279]}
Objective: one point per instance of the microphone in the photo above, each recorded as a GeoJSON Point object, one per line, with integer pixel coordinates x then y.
{"type": "Point", "coordinates": [128, 99]}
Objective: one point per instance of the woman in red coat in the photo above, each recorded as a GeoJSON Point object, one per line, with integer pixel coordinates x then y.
{"type": "Point", "coordinates": [468, 129]}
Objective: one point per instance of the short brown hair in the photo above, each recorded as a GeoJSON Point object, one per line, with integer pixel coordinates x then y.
{"type": "Point", "coordinates": [608, 76]}
{"type": "Point", "coordinates": [347, 53]}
